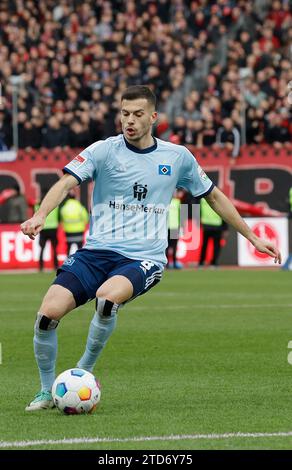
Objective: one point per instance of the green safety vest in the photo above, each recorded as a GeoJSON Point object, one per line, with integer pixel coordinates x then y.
{"type": "Point", "coordinates": [174, 214]}
{"type": "Point", "coordinates": [208, 215]}
{"type": "Point", "coordinates": [290, 198]}
{"type": "Point", "coordinates": [74, 216]}
{"type": "Point", "coordinates": [52, 220]}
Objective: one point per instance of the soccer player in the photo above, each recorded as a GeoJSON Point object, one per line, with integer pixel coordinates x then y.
{"type": "Point", "coordinates": [134, 178]}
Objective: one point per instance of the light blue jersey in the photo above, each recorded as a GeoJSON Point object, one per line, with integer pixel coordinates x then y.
{"type": "Point", "coordinates": [132, 192]}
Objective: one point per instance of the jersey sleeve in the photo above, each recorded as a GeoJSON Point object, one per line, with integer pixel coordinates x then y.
{"type": "Point", "coordinates": [87, 163]}
{"type": "Point", "coordinates": [192, 177]}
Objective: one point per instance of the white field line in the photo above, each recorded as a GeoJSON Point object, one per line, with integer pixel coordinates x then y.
{"type": "Point", "coordinates": [182, 437]}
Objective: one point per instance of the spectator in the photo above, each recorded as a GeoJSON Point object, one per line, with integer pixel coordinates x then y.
{"type": "Point", "coordinates": [16, 207]}
{"type": "Point", "coordinates": [49, 234]}
{"type": "Point", "coordinates": [74, 219]}
{"type": "Point", "coordinates": [29, 131]}
{"type": "Point", "coordinates": [275, 132]}
{"type": "Point", "coordinates": [179, 129]}
{"type": "Point", "coordinates": [55, 135]}
{"type": "Point", "coordinates": [174, 229]}
{"type": "Point", "coordinates": [254, 126]}
{"type": "Point", "coordinates": [228, 137]}
{"type": "Point", "coordinates": [190, 111]}
{"type": "Point", "coordinates": [79, 135]}
{"type": "Point", "coordinates": [254, 96]}
{"type": "Point", "coordinates": [213, 228]}
{"type": "Point", "coordinates": [193, 133]}
{"type": "Point", "coordinates": [209, 133]}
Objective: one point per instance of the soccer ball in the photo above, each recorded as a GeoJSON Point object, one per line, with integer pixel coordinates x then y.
{"type": "Point", "coordinates": [76, 391]}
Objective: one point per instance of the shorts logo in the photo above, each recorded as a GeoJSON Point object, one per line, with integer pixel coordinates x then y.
{"type": "Point", "coordinates": [140, 191]}
{"type": "Point", "coordinates": [164, 170]}
{"type": "Point", "coordinates": [78, 161]}
{"type": "Point", "coordinates": [146, 266]}
{"type": "Point", "coordinates": [69, 261]}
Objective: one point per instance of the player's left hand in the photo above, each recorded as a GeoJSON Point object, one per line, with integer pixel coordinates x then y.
{"type": "Point", "coordinates": [265, 246]}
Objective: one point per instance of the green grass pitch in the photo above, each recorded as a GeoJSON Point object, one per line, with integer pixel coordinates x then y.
{"type": "Point", "coordinates": [203, 353]}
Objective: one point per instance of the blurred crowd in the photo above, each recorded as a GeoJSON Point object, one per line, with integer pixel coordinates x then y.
{"type": "Point", "coordinates": [209, 62]}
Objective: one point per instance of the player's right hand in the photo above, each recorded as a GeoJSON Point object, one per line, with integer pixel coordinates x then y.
{"type": "Point", "coordinates": [33, 226]}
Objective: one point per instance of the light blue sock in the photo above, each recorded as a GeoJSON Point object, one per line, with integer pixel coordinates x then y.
{"type": "Point", "coordinates": [45, 350]}
{"type": "Point", "coordinates": [100, 330]}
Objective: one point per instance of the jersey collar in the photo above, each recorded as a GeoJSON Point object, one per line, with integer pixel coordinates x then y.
{"type": "Point", "coordinates": [135, 149]}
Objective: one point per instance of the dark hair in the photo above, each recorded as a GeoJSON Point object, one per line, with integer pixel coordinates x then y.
{"type": "Point", "coordinates": [139, 91]}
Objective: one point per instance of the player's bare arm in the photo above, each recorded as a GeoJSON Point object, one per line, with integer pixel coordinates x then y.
{"type": "Point", "coordinates": [53, 198]}
{"type": "Point", "coordinates": [223, 206]}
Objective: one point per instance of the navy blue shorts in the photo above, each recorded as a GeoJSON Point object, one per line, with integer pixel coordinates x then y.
{"type": "Point", "coordinates": [86, 270]}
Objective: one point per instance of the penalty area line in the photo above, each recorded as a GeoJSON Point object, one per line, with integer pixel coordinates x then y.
{"type": "Point", "coordinates": [182, 437]}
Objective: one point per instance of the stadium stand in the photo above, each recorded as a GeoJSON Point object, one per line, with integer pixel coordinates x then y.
{"type": "Point", "coordinates": [206, 60]}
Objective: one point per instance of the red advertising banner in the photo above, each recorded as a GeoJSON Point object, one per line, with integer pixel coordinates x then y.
{"type": "Point", "coordinates": [17, 251]}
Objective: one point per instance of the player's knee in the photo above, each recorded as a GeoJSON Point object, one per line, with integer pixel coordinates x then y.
{"type": "Point", "coordinates": [52, 310]}
{"type": "Point", "coordinates": [43, 322]}
{"type": "Point", "coordinates": [106, 308]}
{"type": "Point", "coordinates": [114, 295]}
{"type": "Point", "coordinates": [54, 307]}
